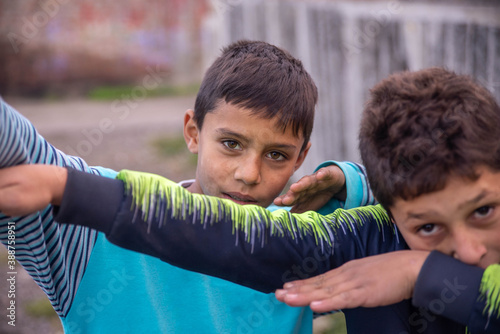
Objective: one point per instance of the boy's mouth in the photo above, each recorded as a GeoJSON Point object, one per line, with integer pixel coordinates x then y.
{"type": "Point", "coordinates": [240, 198]}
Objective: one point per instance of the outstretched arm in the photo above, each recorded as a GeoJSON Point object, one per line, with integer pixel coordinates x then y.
{"type": "Point", "coordinates": [245, 244]}
{"type": "Point", "coordinates": [263, 250]}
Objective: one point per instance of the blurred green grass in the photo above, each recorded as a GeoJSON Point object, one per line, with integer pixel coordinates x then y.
{"type": "Point", "coordinates": [173, 147]}
{"type": "Point", "coordinates": [105, 93]}
{"type": "Point", "coordinates": [330, 324]}
{"type": "Point", "coordinates": [40, 308]}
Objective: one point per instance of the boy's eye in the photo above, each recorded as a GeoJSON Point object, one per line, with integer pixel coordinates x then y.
{"type": "Point", "coordinates": [276, 156]}
{"type": "Point", "coordinates": [427, 229]}
{"type": "Point", "coordinates": [483, 212]}
{"type": "Point", "coordinates": [233, 145]}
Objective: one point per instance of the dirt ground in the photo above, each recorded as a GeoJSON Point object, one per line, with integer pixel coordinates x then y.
{"type": "Point", "coordinates": [116, 134]}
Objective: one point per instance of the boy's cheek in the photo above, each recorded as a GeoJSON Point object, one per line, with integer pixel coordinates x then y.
{"type": "Point", "coordinates": [416, 242]}
{"type": "Point", "coordinates": [276, 181]}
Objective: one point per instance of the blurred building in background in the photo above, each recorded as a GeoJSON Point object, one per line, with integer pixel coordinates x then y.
{"type": "Point", "coordinates": [348, 46]}
{"type": "Point", "coordinates": [61, 46]}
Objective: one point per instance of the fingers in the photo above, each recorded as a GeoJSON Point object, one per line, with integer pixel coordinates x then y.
{"type": "Point", "coordinates": [327, 302]}
{"type": "Point", "coordinates": [323, 294]}
{"type": "Point", "coordinates": [305, 183]}
{"type": "Point", "coordinates": [305, 291]}
{"type": "Point", "coordinates": [327, 173]}
{"type": "Point", "coordinates": [377, 280]}
{"type": "Point", "coordinates": [311, 192]}
{"type": "Point", "coordinates": [283, 200]}
{"type": "Point", "coordinates": [296, 191]}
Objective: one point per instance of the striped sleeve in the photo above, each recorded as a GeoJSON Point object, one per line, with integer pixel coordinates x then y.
{"type": "Point", "coordinates": [54, 255]}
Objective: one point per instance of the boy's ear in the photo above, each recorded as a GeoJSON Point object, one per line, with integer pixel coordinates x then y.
{"type": "Point", "coordinates": [302, 156]}
{"type": "Point", "coordinates": [191, 133]}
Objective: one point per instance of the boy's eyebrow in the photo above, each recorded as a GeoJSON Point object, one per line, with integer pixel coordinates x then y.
{"type": "Point", "coordinates": [228, 132]}
{"type": "Point", "coordinates": [421, 216]}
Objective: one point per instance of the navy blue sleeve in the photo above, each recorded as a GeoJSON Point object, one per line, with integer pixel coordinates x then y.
{"type": "Point", "coordinates": [271, 248]}
{"type": "Point", "coordinates": [450, 288]}
{"type": "Point", "coordinates": [102, 198]}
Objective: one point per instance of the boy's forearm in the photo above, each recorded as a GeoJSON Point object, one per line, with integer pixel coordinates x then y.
{"type": "Point", "coordinates": [26, 189]}
{"type": "Point", "coordinates": [217, 237]}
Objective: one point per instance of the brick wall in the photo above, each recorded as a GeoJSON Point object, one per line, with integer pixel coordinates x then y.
{"type": "Point", "coordinates": [60, 45]}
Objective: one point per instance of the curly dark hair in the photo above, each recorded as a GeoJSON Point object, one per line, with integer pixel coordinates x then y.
{"type": "Point", "coordinates": [420, 127]}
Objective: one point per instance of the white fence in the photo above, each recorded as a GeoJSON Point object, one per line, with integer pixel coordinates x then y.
{"type": "Point", "coordinates": [349, 46]}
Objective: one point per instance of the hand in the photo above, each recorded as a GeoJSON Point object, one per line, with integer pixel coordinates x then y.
{"type": "Point", "coordinates": [26, 189]}
{"type": "Point", "coordinates": [312, 192]}
{"type": "Point", "coordinates": [368, 282]}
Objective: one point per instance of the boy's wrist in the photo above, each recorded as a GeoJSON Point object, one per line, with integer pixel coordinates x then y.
{"type": "Point", "coordinates": [415, 264]}
{"type": "Point", "coordinates": [58, 184]}
{"type": "Point", "coordinates": [341, 195]}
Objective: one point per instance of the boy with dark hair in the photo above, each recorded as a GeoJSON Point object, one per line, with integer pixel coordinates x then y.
{"type": "Point", "coordinates": [430, 141]}
{"type": "Point", "coordinates": [250, 128]}
{"type": "Point", "coordinates": [448, 220]}
{"type": "Point", "coordinates": [251, 123]}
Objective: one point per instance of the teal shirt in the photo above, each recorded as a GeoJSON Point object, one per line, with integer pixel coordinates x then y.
{"type": "Point", "coordinates": [127, 292]}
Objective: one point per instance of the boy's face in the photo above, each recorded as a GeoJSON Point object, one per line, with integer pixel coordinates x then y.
{"type": "Point", "coordinates": [241, 156]}
{"type": "Point", "coordinates": [461, 220]}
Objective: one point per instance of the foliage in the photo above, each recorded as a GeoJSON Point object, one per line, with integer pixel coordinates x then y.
{"type": "Point", "coordinates": [126, 91]}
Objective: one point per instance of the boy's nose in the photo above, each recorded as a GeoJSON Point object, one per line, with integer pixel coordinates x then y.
{"type": "Point", "coordinates": [468, 248]}
{"type": "Point", "coordinates": [249, 171]}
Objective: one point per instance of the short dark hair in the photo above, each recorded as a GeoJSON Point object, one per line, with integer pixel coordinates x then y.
{"type": "Point", "coordinates": [263, 78]}
{"type": "Point", "coordinates": [418, 128]}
